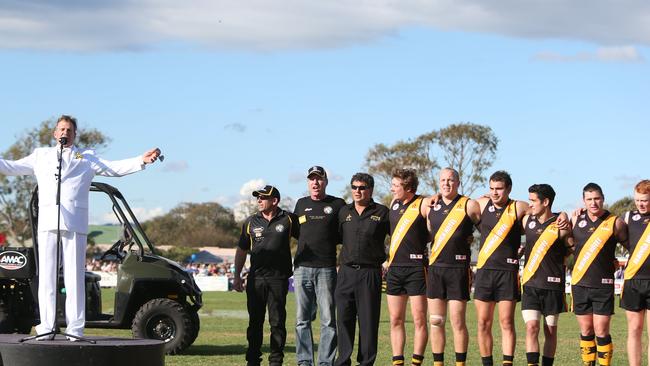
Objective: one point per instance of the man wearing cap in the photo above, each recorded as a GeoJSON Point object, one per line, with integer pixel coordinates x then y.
{"type": "Point", "coordinates": [315, 269]}
{"type": "Point", "coordinates": [266, 235]}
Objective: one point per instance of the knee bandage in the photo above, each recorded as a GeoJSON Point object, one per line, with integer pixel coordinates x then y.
{"type": "Point", "coordinates": [436, 320]}
{"type": "Point", "coordinates": [551, 320]}
{"type": "Point", "coordinates": [529, 315]}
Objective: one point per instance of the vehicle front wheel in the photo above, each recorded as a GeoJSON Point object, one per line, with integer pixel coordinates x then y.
{"type": "Point", "coordinates": [165, 320]}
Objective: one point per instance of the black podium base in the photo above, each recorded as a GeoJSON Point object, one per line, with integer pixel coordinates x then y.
{"type": "Point", "coordinates": [61, 352]}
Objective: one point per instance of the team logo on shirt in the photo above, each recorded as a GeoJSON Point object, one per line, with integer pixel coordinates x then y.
{"type": "Point", "coordinates": [395, 206]}
{"type": "Point", "coordinates": [279, 228]}
{"type": "Point", "coordinates": [375, 218]}
{"type": "Point", "coordinates": [636, 217]}
{"type": "Point", "coordinates": [258, 232]}
{"type": "Point", "coordinates": [348, 217]}
{"type": "Point", "coordinates": [328, 209]}
{"type": "Point", "coordinates": [582, 224]}
{"type": "Point", "coordinates": [491, 209]}
{"type": "Point", "coordinates": [437, 207]}
{"type": "Point", "coordinates": [531, 225]}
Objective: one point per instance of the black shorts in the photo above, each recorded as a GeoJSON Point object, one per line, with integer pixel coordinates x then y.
{"type": "Point", "coordinates": [448, 283]}
{"type": "Point", "coordinates": [591, 300]}
{"type": "Point", "coordinates": [406, 281]}
{"type": "Point", "coordinates": [635, 295]}
{"type": "Point", "coordinates": [496, 285]}
{"type": "Point", "coordinates": [548, 302]}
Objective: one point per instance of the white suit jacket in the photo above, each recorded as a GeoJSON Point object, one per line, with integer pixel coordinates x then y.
{"type": "Point", "coordinates": [78, 170]}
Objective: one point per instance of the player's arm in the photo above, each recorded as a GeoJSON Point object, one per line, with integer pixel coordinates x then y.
{"type": "Point", "coordinates": [567, 237]}
{"type": "Point", "coordinates": [244, 245]}
{"type": "Point", "coordinates": [620, 230]}
{"type": "Point", "coordinates": [482, 202]}
{"type": "Point", "coordinates": [522, 209]}
{"type": "Point", "coordinates": [474, 211]}
{"type": "Point", "coordinates": [425, 207]}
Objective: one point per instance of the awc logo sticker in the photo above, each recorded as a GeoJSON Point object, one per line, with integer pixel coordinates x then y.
{"type": "Point", "coordinates": [12, 261]}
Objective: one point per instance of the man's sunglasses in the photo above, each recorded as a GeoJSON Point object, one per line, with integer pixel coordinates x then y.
{"type": "Point", "coordinates": [361, 188]}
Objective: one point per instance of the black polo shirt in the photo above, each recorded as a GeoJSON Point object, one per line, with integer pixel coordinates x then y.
{"type": "Point", "coordinates": [363, 235]}
{"type": "Point", "coordinates": [268, 243]}
{"type": "Point", "coordinates": [319, 232]}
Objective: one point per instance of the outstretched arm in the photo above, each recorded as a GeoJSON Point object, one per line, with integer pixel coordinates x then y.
{"type": "Point", "coordinates": [24, 166]}
{"type": "Point", "coordinates": [119, 168]}
{"type": "Point", "coordinates": [151, 156]}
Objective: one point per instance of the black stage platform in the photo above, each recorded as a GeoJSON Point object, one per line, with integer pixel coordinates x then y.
{"type": "Point", "coordinates": [61, 352]}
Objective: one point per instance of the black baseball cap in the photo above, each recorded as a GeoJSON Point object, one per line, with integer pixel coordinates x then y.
{"type": "Point", "coordinates": [318, 170]}
{"type": "Point", "coordinates": [267, 191]}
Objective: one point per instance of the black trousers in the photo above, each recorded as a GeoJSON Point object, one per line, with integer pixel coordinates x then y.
{"type": "Point", "coordinates": [358, 296]}
{"type": "Point", "coordinates": [260, 293]}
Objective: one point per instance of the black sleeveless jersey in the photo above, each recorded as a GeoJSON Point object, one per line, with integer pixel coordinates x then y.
{"type": "Point", "coordinates": [456, 252]}
{"type": "Point", "coordinates": [412, 249]}
{"type": "Point", "coordinates": [600, 273]}
{"type": "Point", "coordinates": [636, 225]}
{"type": "Point", "coordinates": [550, 273]}
{"type": "Point", "coordinates": [504, 258]}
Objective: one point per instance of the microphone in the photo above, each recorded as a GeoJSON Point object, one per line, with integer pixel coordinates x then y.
{"type": "Point", "coordinates": [63, 141]}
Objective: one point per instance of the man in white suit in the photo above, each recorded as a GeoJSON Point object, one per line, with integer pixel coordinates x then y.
{"type": "Point", "coordinates": [77, 171]}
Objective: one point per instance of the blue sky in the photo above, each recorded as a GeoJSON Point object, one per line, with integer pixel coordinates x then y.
{"type": "Point", "coordinates": [237, 94]}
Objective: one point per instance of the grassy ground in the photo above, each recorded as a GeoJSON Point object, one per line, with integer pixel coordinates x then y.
{"type": "Point", "coordinates": [222, 340]}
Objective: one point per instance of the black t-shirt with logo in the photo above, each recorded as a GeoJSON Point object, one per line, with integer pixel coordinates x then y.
{"type": "Point", "coordinates": [550, 273]}
{"type": "Point", "coordinates": [457, 252]}
{"type": "Point", "coordinates": [600, 273]}
{"type": "Point", "coordinates": [636, 226]}
{"type": "Point", "coordinates": [412, 249]}
{"type": "Point", "coordinates": [505, 257]}
{"type": "Point", "coordinates": [319, 233]}
{"type": "Point", "coordinates": [268, 244]}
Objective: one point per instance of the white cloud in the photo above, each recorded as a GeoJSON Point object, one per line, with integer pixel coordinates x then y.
{"type": "Point", "coordinates": [602, 54]}
{"type": "Point", "coordinates": [247, 188]}
{"type": "Point", "coordinates": [246, 205]}
{"type": "Point", "coordinates": [264, 25]}
{"type": "Point", "coordinates": [142, 214]}
{"type": "Point", "coordinates": [627, 182]}
{"type": "Point", "coordinates": [236, 127]}
{"type": "Point", "coordinates": [175, 166]}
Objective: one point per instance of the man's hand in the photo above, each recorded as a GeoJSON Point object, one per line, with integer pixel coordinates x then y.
{"type": "Point", "coordinates": [563, 222]}
{"type": "Point", "coordinates": [237, 284]}
{"type": "Point", "coordinates": [578, 211]}
{"type": "Point", "coordinates": [151, 155]}
{"type": "Point", "coordinates": [434, 199]}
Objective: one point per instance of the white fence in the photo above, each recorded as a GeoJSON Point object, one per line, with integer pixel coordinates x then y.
{"type": "Point", "coordinates": [205, 283]}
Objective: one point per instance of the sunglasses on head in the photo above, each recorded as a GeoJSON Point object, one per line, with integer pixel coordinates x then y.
{"type": "Point", "coordinates": [361, 188]}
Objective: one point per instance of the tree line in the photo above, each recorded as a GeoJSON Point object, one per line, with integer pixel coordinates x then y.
{"type": "Point", "coordinates": [469, 148]}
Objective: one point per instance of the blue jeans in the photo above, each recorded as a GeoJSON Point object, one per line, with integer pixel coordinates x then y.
{"type": "Point", "coordinates": [314, 287]}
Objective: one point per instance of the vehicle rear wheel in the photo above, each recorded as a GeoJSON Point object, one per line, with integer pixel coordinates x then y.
{"type": "Point", "coordinates": [165, 320]}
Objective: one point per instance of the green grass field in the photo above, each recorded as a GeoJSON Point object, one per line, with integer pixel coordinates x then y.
{"type": "Point", "coordinates": [222, 340]}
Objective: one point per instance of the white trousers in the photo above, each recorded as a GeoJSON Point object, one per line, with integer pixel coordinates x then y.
{"type": "Point", "coordinates": [73, 258]}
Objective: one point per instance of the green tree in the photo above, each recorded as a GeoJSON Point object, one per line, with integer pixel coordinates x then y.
{"type": "Point", "coordinates": [194, 225]}
{"type": "Point", "coordinates": [16, 191]}
{"type": "Point", "coordinates": [619, 207]}
{"type": "Point", "coordinates": [467, 147]}
{"type": "Point", "coordinates": [381, 160]}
